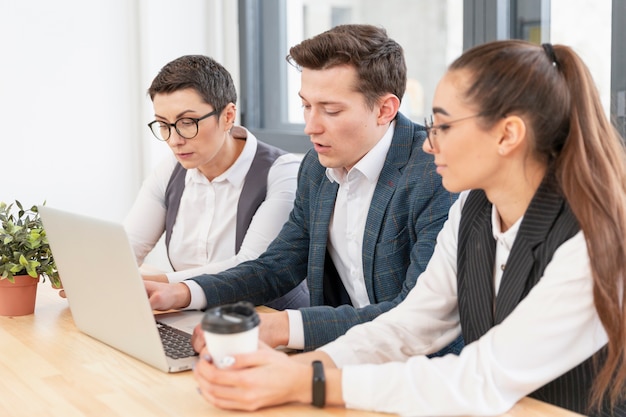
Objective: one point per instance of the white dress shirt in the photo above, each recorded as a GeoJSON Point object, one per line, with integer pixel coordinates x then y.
{"type": "Point", "coordinates": [203, 237]}
{"type": "Point", "coordinates": [552, 330]}
{"type": "Point", "coordinates": [347, 227]}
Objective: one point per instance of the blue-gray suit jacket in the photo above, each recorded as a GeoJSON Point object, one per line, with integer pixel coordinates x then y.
{"type": "Point", "coordinates": [407, 211]}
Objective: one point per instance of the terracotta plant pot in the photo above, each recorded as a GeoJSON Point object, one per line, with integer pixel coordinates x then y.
{"type": "Point", "coordinates": [18, 299]}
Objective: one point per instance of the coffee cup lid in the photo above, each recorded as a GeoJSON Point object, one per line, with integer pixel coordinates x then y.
{"type": "Point", "coordinates": [230, 318]}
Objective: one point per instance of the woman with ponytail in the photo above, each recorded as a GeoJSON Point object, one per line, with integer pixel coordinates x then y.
{"type": "Point", "coordinates": [529, 268]}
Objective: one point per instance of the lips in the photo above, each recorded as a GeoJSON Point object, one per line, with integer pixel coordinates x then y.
{"type": "Point", "coordinates": [320, 148]}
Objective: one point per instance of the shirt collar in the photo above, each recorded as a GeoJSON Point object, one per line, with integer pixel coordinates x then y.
{"type": "Point", "coordinates": [507, 237]}
{"type": "Point", "coordinates": [237, 172]}
{"type": "Point", "coordinates": [371, 164]}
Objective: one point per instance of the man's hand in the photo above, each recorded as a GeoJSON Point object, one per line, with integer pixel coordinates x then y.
{"type": "Point", "coordinates": [197, 339]}
{"type": "Point", "coordinates": [274, 328]}
{"type": "Point", "coordinates": [167, 296]}
{"type": "Point", "coordinates": [274, 331]}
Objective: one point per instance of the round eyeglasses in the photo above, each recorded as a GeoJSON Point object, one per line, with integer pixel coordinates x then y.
{"type": "Point", "coordinates": [432, 129]}
{"type": "Point", "coordinates": [186, 127]}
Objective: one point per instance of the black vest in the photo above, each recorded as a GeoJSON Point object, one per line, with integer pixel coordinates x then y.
{"type": "Point", "coordinates": [547, 224]}
{"type": "Point", "coordinates": [252, 194]}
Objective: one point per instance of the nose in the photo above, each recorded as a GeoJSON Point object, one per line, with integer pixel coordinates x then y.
{"type": "Point", "coordinates": [427, 148]}
{"type": "Point", "coordinates": [175, 139]}
{"type": "Point", "coordinates": [311, 124]}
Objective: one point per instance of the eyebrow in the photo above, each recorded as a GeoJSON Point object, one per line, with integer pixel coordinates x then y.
{"type": "Point", "coordinates": [440, 110]}
{"type": "Point", "coordinates": [323, 103]}
{"type": "Point", "coordinates": [178, 116]}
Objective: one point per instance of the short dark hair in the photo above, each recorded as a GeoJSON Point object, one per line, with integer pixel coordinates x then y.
{"type": "Point", "coordinates": [201, 73]}
{"type": "Point", "coordinates": [378, 60]}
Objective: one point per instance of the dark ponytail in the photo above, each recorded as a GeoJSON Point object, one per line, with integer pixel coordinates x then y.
{"type": "Point", "coordinates": [593, 178]}
{"type": "Point", "coordinates": [552, 88]}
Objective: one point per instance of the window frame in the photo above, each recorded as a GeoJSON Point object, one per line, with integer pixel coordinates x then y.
{"type": "Point", "coordinates": [263, 71]}
{"type": "Point", "coordinates": [263, 66]}
{"type": "Point", "coordinates": [618, 66]}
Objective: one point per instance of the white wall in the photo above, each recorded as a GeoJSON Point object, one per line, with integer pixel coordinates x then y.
{"type": "Point", "coordinates": [73, 77]}
{"type": "Point", "coordinates": [73, 107]}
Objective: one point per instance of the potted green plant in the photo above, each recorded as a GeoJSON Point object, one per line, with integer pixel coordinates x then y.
{"type": "Point", "coordinates": [25, 258]}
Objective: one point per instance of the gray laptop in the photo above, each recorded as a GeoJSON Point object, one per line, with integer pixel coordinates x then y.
{"type": "Point", "coordinates": [106, 294]}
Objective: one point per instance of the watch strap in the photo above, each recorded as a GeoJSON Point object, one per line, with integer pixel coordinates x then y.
{"type": "Point", "coordinates": [319, 384]}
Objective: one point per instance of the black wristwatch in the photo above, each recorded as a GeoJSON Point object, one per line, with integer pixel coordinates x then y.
{"type": "Point", "coordinates": [319, 384]}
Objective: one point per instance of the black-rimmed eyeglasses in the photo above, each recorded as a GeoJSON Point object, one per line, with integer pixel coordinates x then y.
{"type": "Point", "coordinates": [432, 129]}
{"type": "Point", "coordinates": [186, 127]}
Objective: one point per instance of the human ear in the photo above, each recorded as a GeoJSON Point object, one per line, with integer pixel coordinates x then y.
{"type": "Point", "coordinates": [388, 108]}
{"type": "Point", "coordinates": [229, 113]}
{"type": "Point", "coordinates": [512, 132]}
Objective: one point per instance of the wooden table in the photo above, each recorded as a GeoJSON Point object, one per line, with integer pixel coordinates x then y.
{"type": "Point", "coordinates": [49, 368]}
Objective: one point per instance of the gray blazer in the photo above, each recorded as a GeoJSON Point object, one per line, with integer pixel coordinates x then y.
{"type": "Point", "coordinates": [408, 209]}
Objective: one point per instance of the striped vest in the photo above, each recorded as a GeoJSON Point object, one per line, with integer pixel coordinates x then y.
{"type": "Point", "coordinates": [547, 224]}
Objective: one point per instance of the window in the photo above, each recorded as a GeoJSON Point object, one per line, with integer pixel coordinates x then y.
{"type": "Point", "coordinates": [581, 24]}
{"type": "Point", "coordinates": [432, 34]}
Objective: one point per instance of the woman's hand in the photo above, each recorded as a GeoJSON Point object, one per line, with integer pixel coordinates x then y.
{"type": "Point", "coordinates": [58, 287]}
{"type": "Point", "coordinates": [255, 380]}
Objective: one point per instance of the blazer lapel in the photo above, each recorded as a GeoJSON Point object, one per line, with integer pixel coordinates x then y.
{"type": "Point", "coordinates": [538, 221]}
{"type": "Point", "coordinates": [475, 267]}
{"type": "Point", "coordinates": [324, 207]}
{"type": "Point", "coordinates": [396, 159]}
{"type": "Point", "coordinates": [322, 210]}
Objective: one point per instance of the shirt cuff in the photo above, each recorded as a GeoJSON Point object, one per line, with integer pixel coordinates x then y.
{"type": "Point", "coordinates": [296, 330]}
{"type": "Point", "coordinates": [174, 277]}
{"type": "Point", "coordinates": [338, 352]}
{"type": "Point", "coordinates": [198, 299]}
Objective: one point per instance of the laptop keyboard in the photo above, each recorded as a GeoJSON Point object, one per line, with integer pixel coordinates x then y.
{"type": "Point", "coordinates": [177, 344]}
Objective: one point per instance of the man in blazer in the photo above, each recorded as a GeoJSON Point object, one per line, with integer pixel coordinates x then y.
{"type": "Point", "coordinates": [368, 207]}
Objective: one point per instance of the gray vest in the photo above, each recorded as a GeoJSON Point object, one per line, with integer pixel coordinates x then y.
{"type": "Point", "coordinates": [252, 194]}
{"type": "Point", "coordinates": [548, 223]}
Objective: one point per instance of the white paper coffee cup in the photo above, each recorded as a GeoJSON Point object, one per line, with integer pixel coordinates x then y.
{"type": "Point", "coordinates": [230, 329]}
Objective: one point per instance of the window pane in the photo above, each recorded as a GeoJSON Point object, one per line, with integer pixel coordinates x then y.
{"type": "Point", "coordinates": [590, 37]}
{"type": "Point", "coordinates": [527, 22]}
{"type": "Point", "coordinates": [431, 33]}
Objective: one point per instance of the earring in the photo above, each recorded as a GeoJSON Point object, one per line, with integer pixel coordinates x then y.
{"type": "Point", "coordinates": [501, 151]}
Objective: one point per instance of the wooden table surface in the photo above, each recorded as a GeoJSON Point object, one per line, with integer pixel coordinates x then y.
{"type": "Point", "coordinates": [49, 368]}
